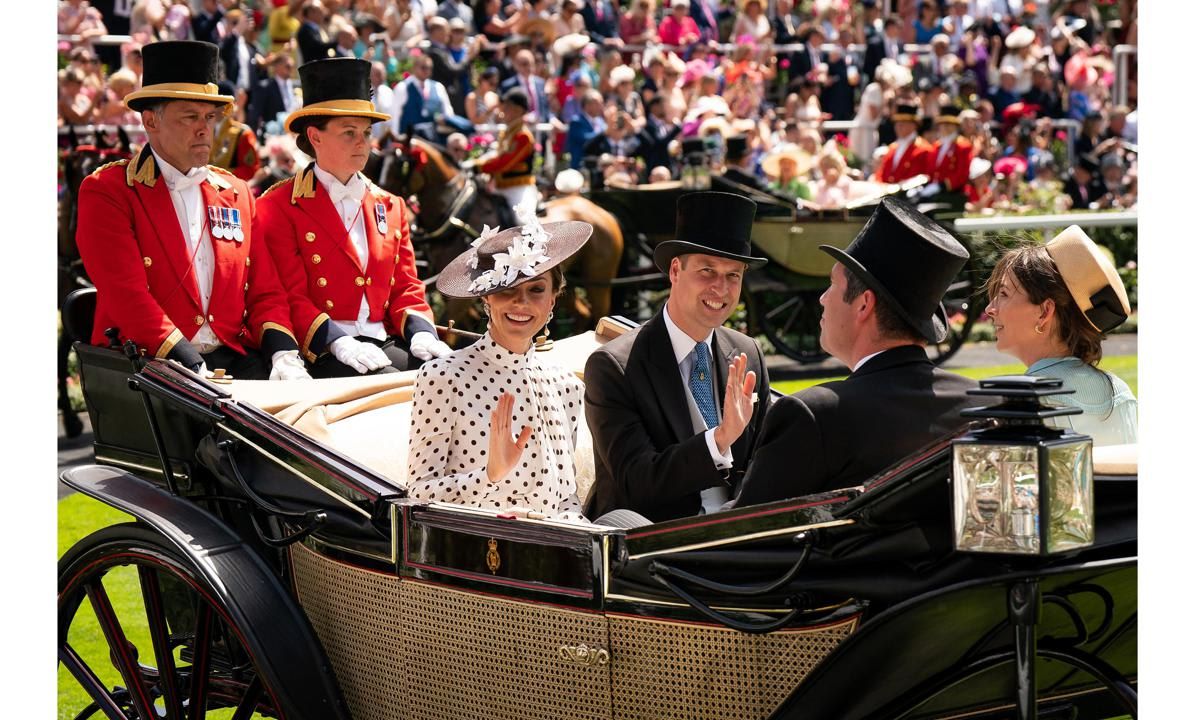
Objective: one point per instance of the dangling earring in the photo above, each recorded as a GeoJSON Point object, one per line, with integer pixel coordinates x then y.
{"type": "Point", "coordinates": [543, 341]}
{"type": "Point", "coordinates": [1038, 329]}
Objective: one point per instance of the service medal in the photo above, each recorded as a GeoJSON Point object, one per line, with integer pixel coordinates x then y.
{"type": "Point", "coordinates": [214, 221]}
{"type": "Point", "coordinates": [226, 226]}
{"type": "Point", "coordinates": [381, 218]}
{"type": "Point", "coordinates": [238, 233]}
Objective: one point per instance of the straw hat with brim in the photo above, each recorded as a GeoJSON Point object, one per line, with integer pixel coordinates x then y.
{"type": "Point", "coordinates": [178, 70]}
{"type": "Point", "coordinates": [711, 223]}
{"type": "Point", "coordinates": [621, 73]}
{"type": "Point", "coordinates": [770, 163]}
{"type": "Point", "coordinates": [475, 274]}
{"type": "Point", "coordinates": [978, 167]}
{"type": "Point", "coordinates": [538, 25]}
{"type": "Point", "coordinates": [909, 262]}
{"type": "Point", "coordinates": [1019, 38]}
{"type": "Point", "coordinates": [336, 87]}
{"type": "Point", "coordinates": [570, 44]}
{"type": "Point", "coordinates": [568, 181]}
{"type": "Point", "coordinates": [1091, 277]}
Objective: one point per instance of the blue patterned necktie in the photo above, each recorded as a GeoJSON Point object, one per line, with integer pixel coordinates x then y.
{"type": "Point", "coordinates": [701, 385]}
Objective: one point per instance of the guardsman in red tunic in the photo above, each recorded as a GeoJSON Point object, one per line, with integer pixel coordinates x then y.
{"type": "Point", "coordinates": [234, 148]}
{"type": "Point", "coordinates": [952, 154]}
{"type": "Point", "coordinates": [511, 163]}
{"type": "Point", "coordinates": [168, 239]}
{"type": "Point", "coordinates": [909, 154]}
{"type": "Point", "coordinates": [341, 245]}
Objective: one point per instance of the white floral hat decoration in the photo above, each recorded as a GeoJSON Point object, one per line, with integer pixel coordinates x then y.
{"type": "Point", "coordinates": [500, 259]}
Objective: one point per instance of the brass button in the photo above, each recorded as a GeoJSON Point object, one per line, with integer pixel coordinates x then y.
{"type": "Point", "coordinates": [360, 281]}
{"type": "Point", "coordinates": [393, 281]}
{"type": "Point", "coordinates": [245, 314]}
{"type": "Point", "coordinates": [316, 259]}
{"type": "Point", "coordinates": [246, 287]}
{"type": "Point", "coordinates": [397, 234]}
{"type": "Point", "coordinates": [329, 304]}
{"type": "Point", "coordinates": [210, 318]}
{"type": "Point", "coordinates": [397, 259]}
{"type": "Point", "coordinates": [322, 282]}
{"type": "Point", "coordinates": [368, 282]}
{"type": "Point", "coordinates": [247, 262]}
{"type": "Point", "coordinates": [147, 261]}
{"type": "Point", "coordinates": [386, 303]}
{"type": "Point", "coordinates": [199, 320]}
{"type": "Point", "coordinates": [310, 236]}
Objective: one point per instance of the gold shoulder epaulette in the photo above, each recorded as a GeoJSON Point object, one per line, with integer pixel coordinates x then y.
{"type": "Point", "coordinates": [106, 166]}
{"type": "Point", "coordinates": [216, 168]}
{"type": "Point", "coordinates": [277, 185]}
{"type": "Point", "coordinates": [304, 184]}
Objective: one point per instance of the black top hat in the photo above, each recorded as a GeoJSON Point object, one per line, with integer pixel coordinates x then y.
{"type": "Point", "coordinates": [736, 147]}
{"type": "Point", "coordinates": [711, 223]}
{"type": "Point", "coordinates": [909, 261]}
{"type": "Point", "coordinates": [517, 96]}
{"type": "Point", "coordinates": [904, 111]}
{"type": "Point", "coordinates": [948, 114]}
{"type": "Point", "coordinates": [693, 145]}
{"type": "Point", "coordinates": [178, 70]}
{"type": "Point", "coordinates": [336, 87]}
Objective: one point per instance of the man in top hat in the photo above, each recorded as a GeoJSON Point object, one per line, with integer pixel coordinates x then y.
{"type": "Point", "coordinates": [168, 239]}
{"type": "Point", "coordinates": [882, 307]}
{"type": "Point", "coordinates": [234, 148]}
{"type": "Point", "coordinates": [909, 155]}
{"type": "Point", "coordinates": [739, 168]}
{"type": "Point", "coordinates": [671, 405]}
{"type": "Point", "coordinates": [952, 155]}
{"type": "Point", "coordinates": [510, 162]}
{"type": "Point", "coordinates": [341, 244]}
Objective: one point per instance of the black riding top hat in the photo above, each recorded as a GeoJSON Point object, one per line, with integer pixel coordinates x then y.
{"type": "Point", "coordinates": [178, 70]}
{"type": "Point", "coordinates": [909, 262]}
{"type": "Point", "coordinates": [948, 114]}
{"type": "Point", "coordinates": [711, 223]}
{"type": "Point", "coordinates": [905, 111]}
{"type": "Point", "coordinates": [336, 87]}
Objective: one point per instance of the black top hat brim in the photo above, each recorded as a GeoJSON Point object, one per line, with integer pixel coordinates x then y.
{"type": "Point", "coordinates": [178, 70]}
{"type": "Point", "coordinates": [669, 249]}
{"type": "Point", "coordinates": [336, 87]}
{"type": "Point", "coordinates": [566, 238]}
{"type": "Point", "coordinates": [933, 328]}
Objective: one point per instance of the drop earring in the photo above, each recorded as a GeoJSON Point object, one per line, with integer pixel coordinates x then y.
{"type": "Point", "coordinates": [543, 341]}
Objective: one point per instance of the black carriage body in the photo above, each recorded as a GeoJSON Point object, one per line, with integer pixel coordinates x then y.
{"type": "Point", "coordinates": [433, 610]}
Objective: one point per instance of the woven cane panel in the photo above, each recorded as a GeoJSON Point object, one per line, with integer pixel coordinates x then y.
{"type": "Point", "coordinates": [673, 670]}
{"type": "Point", "coordinates": [470, 656]}
{"type": "Point", "coordinates": [357, 616]}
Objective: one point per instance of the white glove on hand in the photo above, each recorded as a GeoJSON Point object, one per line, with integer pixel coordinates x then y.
{"type": "Point", "coordinates": [287, 365]}
{"type": "Point", "coordinates": [425, 345]}
{"type": "Point", "coordinates": [930, 190]}
{"type": "Point", "coordinates": [362, 356]}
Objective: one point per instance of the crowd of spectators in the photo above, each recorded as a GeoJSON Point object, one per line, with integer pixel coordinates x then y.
{"type": "Point", "coordinates": [632, 84]}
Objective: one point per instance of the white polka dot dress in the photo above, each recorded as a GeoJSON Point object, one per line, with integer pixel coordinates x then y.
{"type": "Point", "coordinates": [451, 417]}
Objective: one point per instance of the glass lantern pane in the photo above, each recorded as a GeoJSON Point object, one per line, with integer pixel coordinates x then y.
{"type": "Point", "coordinates": [1072, 515]}
{"type": "Point", "coordinates": [996, 498]}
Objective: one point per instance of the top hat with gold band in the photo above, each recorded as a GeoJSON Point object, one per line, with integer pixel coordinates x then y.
{"type": "Point", "coordinates": [947, 114]}
{"type": "Point", "coordinates": [336, 87]}
{"type": "Point", "coordinates": [905, 111]}
{"type": "Point", "coordinates": [178, 70]}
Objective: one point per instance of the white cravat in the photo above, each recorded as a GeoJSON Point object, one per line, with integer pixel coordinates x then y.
{"type": "Point", "coordinates": [190, 212]}
{"type": "Point", "coordinates": [901, 148]}
{"type": "Point", "coordinates": [347, 200]}
{"type": "Point", "coordinates": [947, 143]}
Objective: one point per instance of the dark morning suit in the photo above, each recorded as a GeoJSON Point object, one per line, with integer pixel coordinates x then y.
{"type": "Point", "coordinates": [266, 102]}
{"type": "Point", "coordinates": [229, 56]}
{"type": "Point", "coordinates": [314, 44]}
{"type": "Point", "coordinates": [841, 433]}
{"type": "Point", "coordinates": [648, 458]}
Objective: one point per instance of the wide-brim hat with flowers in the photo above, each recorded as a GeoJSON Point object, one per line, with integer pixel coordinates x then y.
{"type": "Point", "coordinates": [501, 259]}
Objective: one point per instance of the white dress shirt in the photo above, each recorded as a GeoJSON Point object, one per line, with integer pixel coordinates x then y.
{"type": "Point", "coordinates": [289, 94]}
{"type": "Point", "coordinates": [440, 103]}
{"type": "Point", "coordinates": [947, 142]}
{"type": "Point", "coordinates": [901, 148]}
{"type": "Point", "coordinates": [347, 200]}
{"type": "Point", "coordinates": [243, 60]}
{"type": "Point", "coordinates": [192, 217]}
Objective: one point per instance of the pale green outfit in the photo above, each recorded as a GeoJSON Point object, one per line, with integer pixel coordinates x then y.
{"type": "Point", "coordinates": [1109, 411]}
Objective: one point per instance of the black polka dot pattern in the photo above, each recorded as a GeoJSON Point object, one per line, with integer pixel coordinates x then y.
{"type": "Point", "coordinates": [451, 417]}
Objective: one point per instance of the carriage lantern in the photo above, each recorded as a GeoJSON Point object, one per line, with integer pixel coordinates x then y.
{"type": "Point", "coordinates": [1020, 487]}
{"type": "Point", "coordinates": [593, 178]}
{"type": "Point", "coordinates": [697, 172]}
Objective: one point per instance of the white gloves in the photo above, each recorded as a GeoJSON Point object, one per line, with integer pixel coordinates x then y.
{"type": "Point", "coordinates": [362, 356]}
{"type": "Point", "coordinates": [287, 365]}
{"type": "Point", "coordinates": [425, 345]}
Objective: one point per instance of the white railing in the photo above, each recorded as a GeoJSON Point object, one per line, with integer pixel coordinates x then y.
{"type": "Point", "coordinates": [1048, 224]}
{"type": "Point", "coordinates": [100, 40]}
{"type": "Point", "coordinates": [1121, 57]}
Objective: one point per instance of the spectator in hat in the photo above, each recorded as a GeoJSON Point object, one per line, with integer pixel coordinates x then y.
{"type": "Point", "coordinates": [510, 163]}
{"type": "Point", "coordinates": [952, 155]}
{"type": "Point", "coordinates": [833, 187]}
{"type": "Point", "coordinates": [980, 190]}
{"type": "Point", "coordinates": [169, 240]}
{"type": "Point", "coordinates": [909, 155]}
{"type": "Point", "coordinates": [678, 28]}
{"type": "Point", "coordinates": [1005, 93]}
{"type": "Point", "coordinates": [883, 306]}
{"type": "Point", "coordinates": [625, 97]}
{"type": "Point", "coordinates": [1021, 56]}
{"type": "Point", "coordinates": [1085, 188]}
{"type": "Point", "coordinates": [1051, 306]}
{"type": "Point", "coordinates": [789, 169]}
{"type": "Point", "coordinates": [671, 405]}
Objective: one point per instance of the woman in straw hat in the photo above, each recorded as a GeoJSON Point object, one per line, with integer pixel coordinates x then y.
{"type": "Point", "coordinates": [494, 425]}
{"type": "Point", "coordinates": [788, 168]}
{"type": "Point", "coordinates": [1051, 306]}
{"type": "Point", "coordinates": [341, 244]}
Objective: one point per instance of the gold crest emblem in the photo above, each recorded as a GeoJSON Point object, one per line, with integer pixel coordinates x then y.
{"type": "Point", "coordinates": [493, 557]}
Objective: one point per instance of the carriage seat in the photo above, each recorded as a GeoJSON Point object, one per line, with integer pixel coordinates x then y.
{"type": "Point", "coordinates": [1115, 459]}
{"type": "Point", "coordinates": [79, 314]}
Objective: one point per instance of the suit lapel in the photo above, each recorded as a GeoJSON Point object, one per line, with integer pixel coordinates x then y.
{"type": "Point", "coordinates": [156, 200]}
{"type": "Point", "coordinates": [722, 355]}
{"type": "Point", "coordinates": [664, 378]}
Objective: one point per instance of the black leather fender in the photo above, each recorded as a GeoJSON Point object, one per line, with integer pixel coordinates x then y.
{"type": "Point", "coordinates": [275, 630]}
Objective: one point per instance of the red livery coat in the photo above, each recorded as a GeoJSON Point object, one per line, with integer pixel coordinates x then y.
{"type": "Point", "coordinates": [135, 252]}
{"type": "Point", "coordinates": [317, 262]}
{"type": "Point", "coordinates": [235, 149]}
{"type": "Point", "coordinates": [915, 161]}
{"type": "Point", "coordinates": [955, 168]}
{"type": "Point", "coordinates": [511, 163]}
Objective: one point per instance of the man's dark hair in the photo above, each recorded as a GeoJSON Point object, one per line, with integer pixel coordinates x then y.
{"type": "Point", "coordinates": [890, 21]}
{"type": "Point", "coordinates": [654, 102]}
{"type": "Point", "coordinates": [301, 126]}
{"type": "Point", "coordinates": [891, 325]}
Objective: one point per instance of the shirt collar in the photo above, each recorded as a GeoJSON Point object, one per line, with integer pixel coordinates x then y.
{"type": "Point", "coordinates": [862, 362]}
{"type": "Point", "coordinates": [1048, 362]}
{"type": "Point", "coordinates": [353, 189]}
{"type": "Point", "coordinates": [496, 354]}
{"type": "Point", "coordinates": [682, 343]}
{"type": "Point", "coordinates": [175, 179]}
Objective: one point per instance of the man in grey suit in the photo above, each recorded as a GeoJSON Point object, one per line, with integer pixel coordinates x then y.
{"type": "Point", "coordinates": [881, 309]}
{"type": "Point", "coordinates": [671, 406]}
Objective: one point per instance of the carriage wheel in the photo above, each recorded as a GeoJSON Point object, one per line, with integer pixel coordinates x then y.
{"type": "Point", "coordinates": [791, 320]}
{"type": "Point", "coordinates": [963, 304]}
{"type": "Point", "coordinates": [169, 646]}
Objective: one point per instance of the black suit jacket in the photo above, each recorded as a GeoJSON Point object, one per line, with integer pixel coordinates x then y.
{"type": "Point", "coordinates": [229, 57]}
{"type": "Point", "coordinates": [313, 43]}
{"type": "Point", "coordinates": [654, 142]}
{"type": "Point", "coordinates": [648, 459]}
{"type": "Point", "coordinates": [266, 101]}
{"type": "Point", "coordinates": [596, 28]}
{"type": "Point", "coordinates": [841, 433]}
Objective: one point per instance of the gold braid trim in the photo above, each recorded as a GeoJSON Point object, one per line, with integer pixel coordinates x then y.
{"type": "Point", "coordinates": [141, 169]}
{"type": "Point", "coordinates": [106, 166]}
{"type": "Point", "coordinates": [304, 184]}
{"type": "Point", "coordinates": [279, 184]}
{"type": "Point", "coordinates": [274, 326]}
{"type": "Point", "coordinates": [312, 330]}
{"type": "Point", "coordinates": [169, 344]}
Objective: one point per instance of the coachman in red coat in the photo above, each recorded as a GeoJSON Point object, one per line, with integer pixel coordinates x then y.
{"type": "Point", "coordinates": [168, 240]}
{"type": "Point", "coordinates": [341, 244]}
{"type": "Point", "coordinates": [952, 154]}
{"type": "Point", "coordinates": [914, 153]}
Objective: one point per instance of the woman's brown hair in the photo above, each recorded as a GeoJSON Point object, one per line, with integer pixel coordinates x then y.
{"type": "Point", "coordinates": [301, 126]}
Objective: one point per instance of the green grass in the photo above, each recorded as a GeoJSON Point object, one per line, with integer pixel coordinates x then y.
{"type": "Point", "coordinates": [1123, 366]}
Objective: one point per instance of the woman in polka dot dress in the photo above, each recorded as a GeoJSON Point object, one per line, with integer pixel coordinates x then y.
{"type": "Point", "coordinates": [494, 425]}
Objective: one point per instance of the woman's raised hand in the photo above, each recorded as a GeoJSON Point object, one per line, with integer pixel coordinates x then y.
{"type": "Point", "coordinates": [503, 451]}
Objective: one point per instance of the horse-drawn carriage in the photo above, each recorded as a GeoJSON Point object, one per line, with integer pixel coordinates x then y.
{"type": "Point", "coordinates": [282, 571]}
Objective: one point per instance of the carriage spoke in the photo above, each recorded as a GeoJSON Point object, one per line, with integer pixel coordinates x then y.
{"type": "Point", "coordinates": [250, 701]}
{"type": "Point", "coordinates": [783, 307]}
{"type": "Point", "coordinates": [160, 637]}
{"type": "Point", "coordinates": [88, 680]}
{"type": "Point", "coordinates": [121, 651]}
{"type": "Point", "coordinates": [198, 698]}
